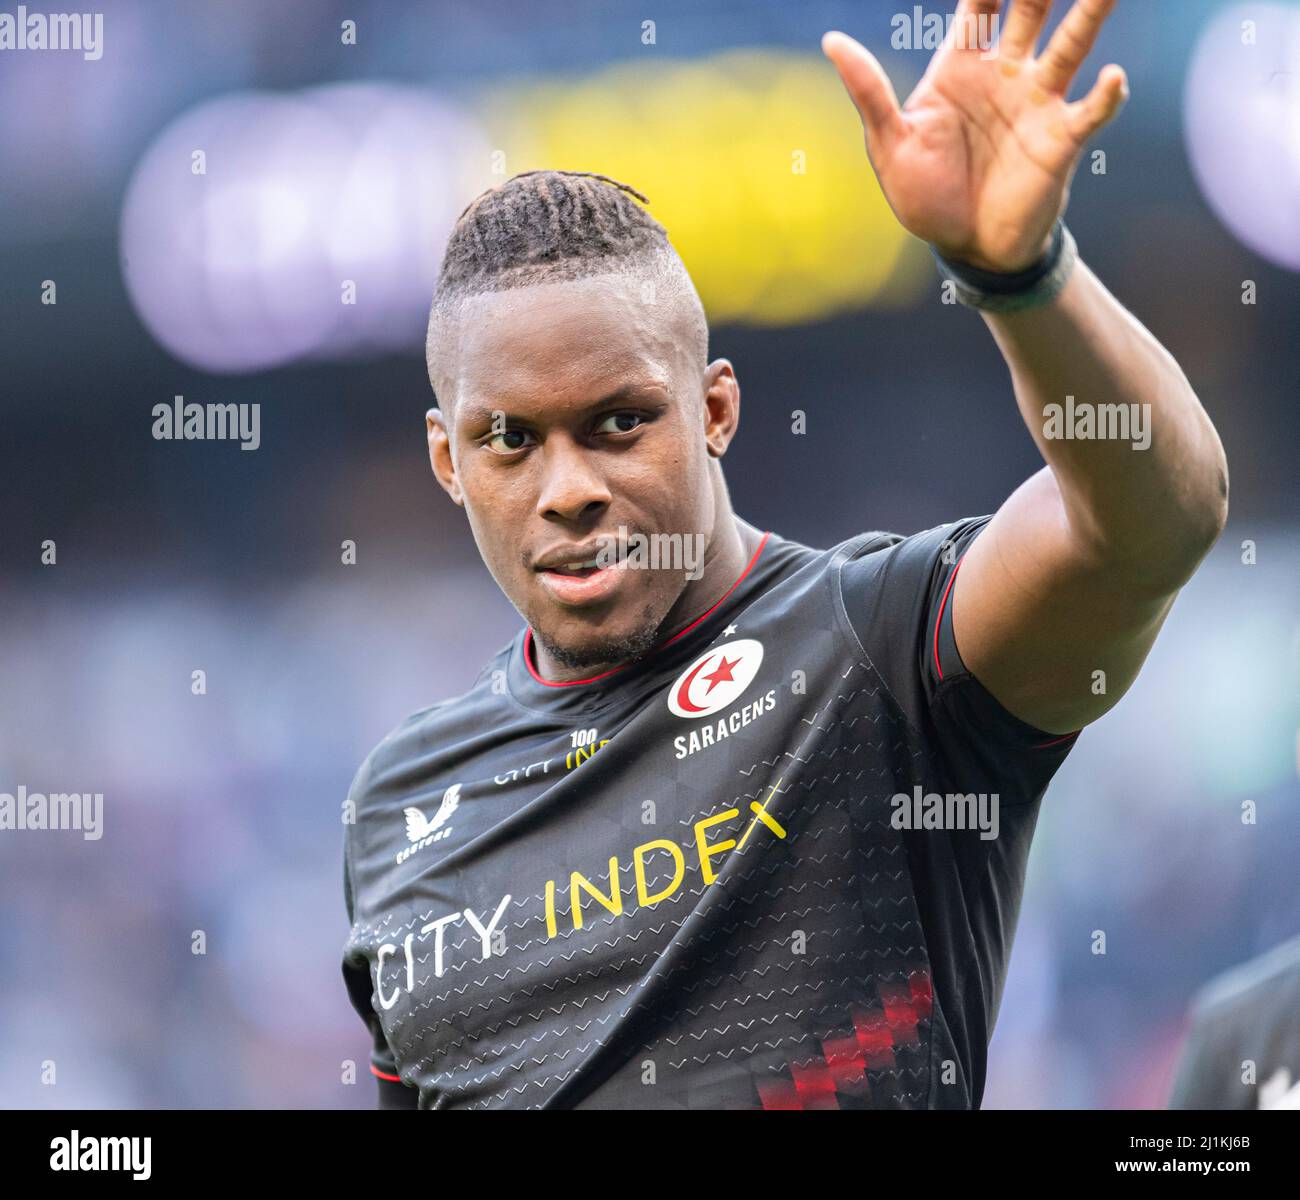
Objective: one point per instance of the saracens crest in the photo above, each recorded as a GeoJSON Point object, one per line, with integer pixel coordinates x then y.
{"type": "Point", "coordinates": [716, 679]}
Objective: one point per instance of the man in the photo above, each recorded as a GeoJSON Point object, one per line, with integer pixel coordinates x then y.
{"type": "Point", "coordinates": [1243, 1044]}
{"type": "Point", "coordinates": [734, 822]}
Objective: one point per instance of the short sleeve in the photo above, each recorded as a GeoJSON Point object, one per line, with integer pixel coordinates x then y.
{"type": "Point", "coordinates": [393, 1093]}
{"type": "Point", "coordinates": [899, 602]}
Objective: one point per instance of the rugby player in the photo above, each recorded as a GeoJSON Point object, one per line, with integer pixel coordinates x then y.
{"type": "Point", "coordinates": [749, 827]}
{"type": "Point", "coordinates": [1243, 1039]}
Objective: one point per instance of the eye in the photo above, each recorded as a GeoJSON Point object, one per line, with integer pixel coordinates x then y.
{"type": "Point", "coordinates": [509, 441]}
{"type": "Point", "coordinates": [623, 422]}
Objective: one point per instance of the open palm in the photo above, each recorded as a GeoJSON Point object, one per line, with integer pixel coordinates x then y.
{"type": "Point", "coordinates": [979, 160]}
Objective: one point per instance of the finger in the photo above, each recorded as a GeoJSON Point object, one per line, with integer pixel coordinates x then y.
{"type": "Point", "coordinates": [976, 8]}
{"type": "Point", "coordinates": [870, 89]}
{"type": "Point", "coordinates": [973, 26]}
{"type": "Point", "coordinates": [1071, 43]}
{"type": "Point", "coordinates": [1100, 106]}
{"type": "Point", "coordinates": [1021, 29]}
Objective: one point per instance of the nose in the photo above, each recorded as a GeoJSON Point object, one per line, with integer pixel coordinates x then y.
{"type": "Point", "coordinates": [572, 489]}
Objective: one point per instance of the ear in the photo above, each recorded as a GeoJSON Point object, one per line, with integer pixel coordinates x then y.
{"type": "Point", "coordinates": [721, 406]}
{"type": "Point", "coordinates": [440, 458]}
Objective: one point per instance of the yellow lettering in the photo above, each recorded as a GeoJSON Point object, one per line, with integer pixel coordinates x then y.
{"type": "Point", "coordinates": [613, 902]}
{"type": "Point", "coordinates": [638, 863]}
{"type": "Point", "coordinates": [707, 851]}
{"type": "Point", "coordinates": [761, 814]}
{"type": "Point", "coordinates": [550, 908]}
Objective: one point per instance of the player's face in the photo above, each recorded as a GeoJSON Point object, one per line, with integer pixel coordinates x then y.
{"type": "Point", "coordinates": [578, 411]}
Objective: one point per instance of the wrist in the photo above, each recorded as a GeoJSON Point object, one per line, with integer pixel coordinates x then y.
{"type": "Point", "coordinates": [1013, 291]}
{"type": "Point", "coordinates": [976, 263]}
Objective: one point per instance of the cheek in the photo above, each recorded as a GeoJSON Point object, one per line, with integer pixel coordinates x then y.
{"type": "Point", "coordinates": [493, 495]}
{"type": "Point", "coordinates": [689, 496]}
{"type": "Point", "coordinates": [484, 515]}
{"type": "Point", "coordinates": [499, 507]}
{"type": "Point", "coordinates": [672, 484]}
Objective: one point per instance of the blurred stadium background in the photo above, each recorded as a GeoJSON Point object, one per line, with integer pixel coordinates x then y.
{"type": "Point", "coordinates": [328, 162]}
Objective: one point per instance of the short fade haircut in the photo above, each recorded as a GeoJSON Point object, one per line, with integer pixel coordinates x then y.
{"type": "Point", "coordinates": [549, 226]}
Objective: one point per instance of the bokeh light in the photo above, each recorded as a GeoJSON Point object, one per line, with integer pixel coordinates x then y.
{"type": "Point", "coordinates": [754, 162]}
{"type": "Point", "coordinates": [1242, 122]}
{"type": "Point", "coordinates": [314, 228]}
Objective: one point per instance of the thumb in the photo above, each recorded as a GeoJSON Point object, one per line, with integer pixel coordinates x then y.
{"type": "Point", "coordinates": [869, 88]}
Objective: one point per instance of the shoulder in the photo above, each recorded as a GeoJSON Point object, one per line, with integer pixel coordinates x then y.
{"type": "Point", "coordinates": [784, 558]}
{"type": "Point", "coordinates": [1271, 981]}
{"type": "Point", "coordinates": [914, 554]}
{"type": "Point", "coordinates": [890, 582]}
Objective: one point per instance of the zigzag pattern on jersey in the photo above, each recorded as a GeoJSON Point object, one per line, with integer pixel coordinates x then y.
{"type": "Point", "coordinates": [844, 1022]}
{"type": "Point", "coordinates": [858, 1043]}
{"type": "Point", "coordinates": [366, 935]}
{"type": "Point", "coordinates": [617, 971]}
{"type": "Point", "coordinates": [870, 1035]}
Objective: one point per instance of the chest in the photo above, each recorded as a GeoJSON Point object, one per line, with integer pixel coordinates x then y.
{"type": "Point", "coordinates": [636, 876]}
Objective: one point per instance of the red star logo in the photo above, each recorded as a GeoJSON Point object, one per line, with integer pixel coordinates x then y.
{"type": "Point", "coordinates": [721, 675]}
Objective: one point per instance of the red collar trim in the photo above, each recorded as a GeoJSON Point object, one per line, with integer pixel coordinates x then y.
{"type": "Point", "coordinates": [528, 637]}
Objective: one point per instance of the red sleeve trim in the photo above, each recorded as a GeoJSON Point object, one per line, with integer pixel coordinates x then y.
{"type": "Point", "coordinates": [374, 1070]}
{"type": "Point", "coordinates": [939, 621]}
{"type": "Point", "coordinates": [1057, 741]}
{"type": "Point", "coordinates": [938, 666]}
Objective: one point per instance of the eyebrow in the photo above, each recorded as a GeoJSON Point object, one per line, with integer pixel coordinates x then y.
{"type": "Point", "coordinates": [474, 411]}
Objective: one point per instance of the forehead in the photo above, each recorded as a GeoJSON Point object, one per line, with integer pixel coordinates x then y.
{"type": "Point", "coordinates": [570, 337]}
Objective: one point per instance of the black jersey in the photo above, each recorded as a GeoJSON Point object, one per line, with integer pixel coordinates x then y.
{"type": "Point", "coordinates": [775, 863]}
{"type": "Point", "coordinates": [1243, 1047]}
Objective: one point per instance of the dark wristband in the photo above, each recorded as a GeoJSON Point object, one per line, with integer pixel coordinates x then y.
{"type": "Point", "coordinates": [1035, 285]}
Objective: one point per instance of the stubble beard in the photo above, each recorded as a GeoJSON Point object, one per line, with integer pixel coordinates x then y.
{"type": "Point", "coordinates": [608, 652]}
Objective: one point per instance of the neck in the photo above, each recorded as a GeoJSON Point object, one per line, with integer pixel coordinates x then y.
{"type": "Point", "coordinates": [725, 558]}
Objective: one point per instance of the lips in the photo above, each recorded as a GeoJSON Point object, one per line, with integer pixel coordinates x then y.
{"type": "Point", "coordinates": [571, 573]}
{"type": "Point", "coordinates": [573, 557]}
{"type": "Point", "coordinates": [586, 585]}
{"type": "Point", "coordinates": [575, 569]}
{"type": "Point", "coordinates": [581, 589]}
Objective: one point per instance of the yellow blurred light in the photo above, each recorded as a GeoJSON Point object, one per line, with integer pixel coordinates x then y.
{"type": "Point", "coordinates": [753, 161]}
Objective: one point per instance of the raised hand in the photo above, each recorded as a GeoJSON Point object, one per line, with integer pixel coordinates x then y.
{"type": "Point", "coordinates": [979, 160]}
